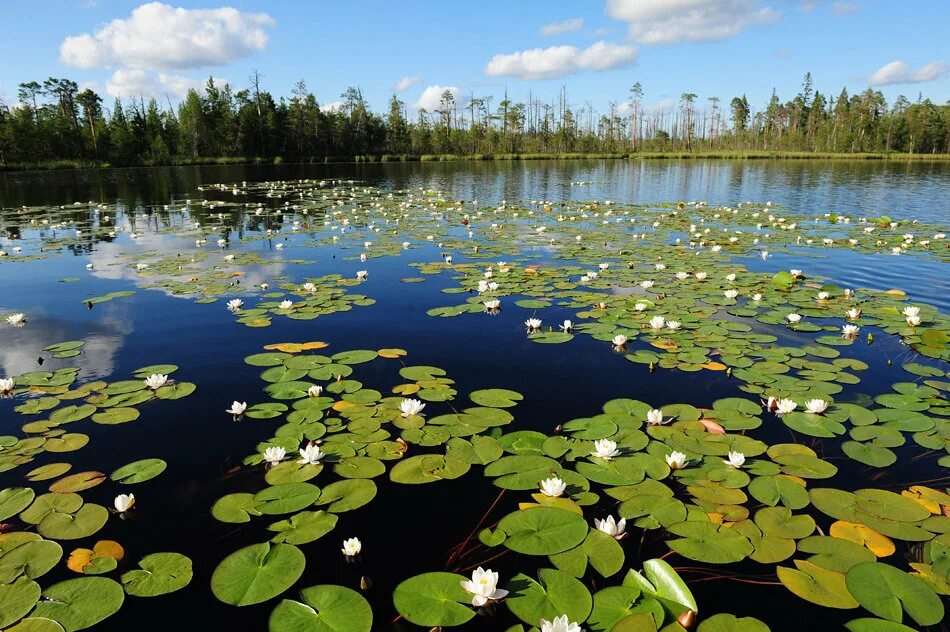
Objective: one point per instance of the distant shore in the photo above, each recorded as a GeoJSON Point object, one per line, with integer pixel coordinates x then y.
{"type": "Point", "coordinates": [381, 158]}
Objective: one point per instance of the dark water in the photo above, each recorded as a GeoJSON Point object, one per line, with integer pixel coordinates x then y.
{"type": "Point", "coordinates": [202, 444]}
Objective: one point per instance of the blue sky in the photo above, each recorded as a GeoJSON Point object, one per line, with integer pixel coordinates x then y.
{"type": "Point", "coordinates": [594, 48]}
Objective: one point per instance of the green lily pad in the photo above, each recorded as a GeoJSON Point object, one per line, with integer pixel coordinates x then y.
{"type": "Point", "coordinates": [556, 594]}
{"type": "Point", "coordinates": [257, 573]}
{"type": "Point", "coordinates": [77, 604]}
{"type": "Point", "coordinates": [325, 608]}
{"type": "Point", "coordinates": [885, 590]}
{"type": "Point", "coordinates": [543, 530]}
{"type": "Point", "coordinates": [158, 574]}
{"type": "Point", "coordinates": [139, 471]}
{"type": "Point", "coordinates": [434, 599]}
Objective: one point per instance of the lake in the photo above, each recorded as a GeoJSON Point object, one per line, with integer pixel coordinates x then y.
{"type": "Point", "coordinates": [563, 256]}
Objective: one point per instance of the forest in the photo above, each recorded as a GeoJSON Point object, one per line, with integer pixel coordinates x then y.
{"type": "Point", "coordinates": [53, 123]}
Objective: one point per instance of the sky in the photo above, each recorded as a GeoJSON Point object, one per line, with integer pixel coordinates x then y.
{"type": "Point", "coordinates": [594, 49]}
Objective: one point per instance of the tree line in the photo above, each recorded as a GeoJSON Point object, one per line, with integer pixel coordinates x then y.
{"type": "Point", "coordinates": [54, 121]}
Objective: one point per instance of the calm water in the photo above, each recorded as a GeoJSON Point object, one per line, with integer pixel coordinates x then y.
{"type": "Point", "coordinates": [560, 382]}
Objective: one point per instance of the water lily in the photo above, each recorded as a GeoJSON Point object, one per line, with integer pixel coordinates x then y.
{"type": "Point", "coordinates": [235, 304]}
{"type": "Point", "coordinates": [640, 306]}
{"type": "Point", "coordinates": [673, 325]}
{"type": "Point", "coordinates": [156, 381]}
{"type": "Point", "coordinates": [613, 528]}
{"type": "Point", "coordinates": [362, 275]}
{"type": "Point", "coordinates": [676, 460]}
{"type": "Point", "coordinates": [237, 408]}
{"type": "Point", "coordinates": [553, 487]}
{"type": "Point", "coordinates": [731, 293]}
{"type": "Point", "coordinates": [756, 297]}
{"type": "Point", "coordinates": [823, 296]}
{"type": "Point", "coordinates": [816, 406]}
{"type": "Point", "coordinates": [646, 285]}
{"type": "Point", "coordinates": [310, 454]}
{"type": "Point", "coordinates": [793, 318]}
{"type": "Point", "coordinates": [785, 406]}
{"type": "Point", "coordinates": [605, 449]}
{"type": "Point", "coordinates": [274, 454]}
{"type": "Point", "coordinates": [795, 273]}
{"type": "Point", "coordinates": [285, 304]}
{"type": "Point", "coordinates": [655, 417]}
{"type": "Point", "coordinates": [567, 326]}
{"type": "Point", "coordinates": [700, 275]}
{"type": "Point", "coordinates": [411, 407]}
{"type": "Point", "coordinates": [17, 320]}
{"type": "Point", "coordinates": [309, 287]}
{"type": "Point", "coordinates": [681, 276]}
{"type": "Point", "coordinates": [492, 304]}
{"type": "Point", "coordinates": [850, 331]}
{"type": "Point", "coordinates": [736, 459]}
{"type": "Point", "coordinates": [352, 547]}
{"type": "Point", "coordinates": [854, 313]}
{"type": "Point", "coordinates": [533, 324]}
{"type": "Point", "coordinates": [483, 587]}
{"type": "Point", "coordinates": [619, 340]}
{"type": "Point", "coordinates": [6, 385]}
{"type": "Point", "coordinates": [913, 321]}
{"type": "Point", "coordinates": [124, 502]}
{"type": "Point", "coordinates": [911, 310]}
{"type": "Point", "coordinates": [657, 322]}
{"type": "Point", "coordinates": [314, 391]}
{"type": "Point", "coordinates": [560, 624]}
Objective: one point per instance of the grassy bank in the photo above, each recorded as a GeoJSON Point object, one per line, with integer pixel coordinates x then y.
{"type": "Point", "coordinates": [662, 155]}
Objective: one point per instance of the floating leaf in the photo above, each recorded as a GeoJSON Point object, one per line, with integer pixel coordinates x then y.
{"type": "Point", "coordinates": [884, 590]}
{"type": "Point", "coordinates": [556, 594]}
{"type": "Point", "coordinates": [257, 573]}
{"type": "Point", "coordinates": [158, 574]}
{"type": "Point", "coordinates": [433, 599]}
{"type": "Point", "coordinates": [325, 608]}
{"type": "Point", "coordinates": [77, 604]}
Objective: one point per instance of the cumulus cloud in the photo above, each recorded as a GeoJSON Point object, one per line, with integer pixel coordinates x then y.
{"type": "Point", "coordinates": [560, 28]}
{"type": "Point", "coordinates": [131, 82]}
{"type": "Point", "coordinates": [899, 72]}
{"type": "Point", "coordinates": [333, 106]}
{"type": "Point", "coordinates": [672, 21]}
{"type": "Point", "coordinates": [157, 36]}
{"type": "Point", "coordinates": [407, 82]}
{"type": "Point", "coordinates": [558, 61]}
{"type": "Point", "coordinates": [431, 97]}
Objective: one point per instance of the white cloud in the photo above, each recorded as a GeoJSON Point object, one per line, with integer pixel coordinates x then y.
{"type": "Point", "coordinates": [672, 21]}
{"type": "Point", "coordinates": [407, 82]}
{"type": "Point", "coordinates": [333, 106]}
{"type": "Point", "coordinates": [431, 97]}
{"type": "Point", "coordinates": [157, 36]}
{"type": "Point", "coordinates": [899, 72]}
{"type": "Point", "coordinates": [557, 61]}
{"type": "Point", "coordinates": [560, 28]}
{"type": "Point", "coordinates": [130, 82]}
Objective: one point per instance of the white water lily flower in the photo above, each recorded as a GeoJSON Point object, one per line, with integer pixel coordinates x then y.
{"type": "Point", "coordinates": [816, 406]}
{"type": "Point", "coordinates": [605, 449]}
{"type": "Point", "coordinates": [795, 273]}
{"type": "Point", "coordinates": [850, 331]}
{"type": "Point", "coordinates": [785, 406]}
{"type": "Point", "coordinates": [640, 306]}
{"type": "Point", "coordinates": [264, 286]}
{"type": "Point", "coordinates": [352, 547]}
{"type": "Point", "coordinates": [700, 275]}
{"type": "Point", "coordinates": [362, 275]}
{"type": "Point", "coordinates": [604, 266]}
{"type": "Point", "coordinates": [854, 313]}
{"type": "Point", "coordinates": [913, 321]}
{"type": "Point", "coordinates": [309, 287]}
{"type": "Point", "coordinates": [274, 454]}
{"type": "Point", "coordinates": [553, 487]}
{"type": "Point", "coordinates": [823, 296]}
{"type": "Point", "coordinates": [613, 528]}
{"type": "Point", "coordinates": [619, 340]}
{"type": "Point", "coordinates": [314, 391]}
{"type": "Point", "coordinates": [411, 407]}
{"type": "Point", "coordinates": [285, 304]}
{"type": "Point", "coordinates": [731, 293]}
{"type": "Point", "coordinates": [673, 325]}
{"type": "Point", "coordinates": [492, 304]}
{"type": "Point", "coordinates": [124, 502]}
{"type": "Point", "coordinates": [657, 322]}
{"type": "Point", "coordinates": [676, 460]}
{"type": "Point", "coordinates": [237, 408]}
{"type": "Point", "coordinates": [310, 455]}
{"type": "Point", "coordinates": [757, 297]}
{"type": "Point", "coordinates": [363, 257]}
{"type": "Point", "coordinates": [655, 417]}
{"type": "Point", "coordinates": [567, 326]}
{"type": "Point", "coordinates": [560, 624]}
{"type": "Point", "coordinates": [6, 385]}
{"type": "Point", "coordinates": [17, 320]}
{"type": "Point", "coordinates": [911, 310]}
{"type": "Point", "coordinates": [793, 318]}
{"type": "Point", "coordinates": [89, 266]}
{"type": "Point", "coordinates": [736, 459]}
{"type": "Point", "coordinates": [483, 587]}
{"type": "Point", "coordinates": [681, 276]}
{"type": "Point", "coordinates": [533, 323]}
{"type": "Point", "coordinates": [646, 285]}
{"type": "Point", "coordinates": [155, 381]}
{"type": "Point", "coordinates": [235, 304]}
